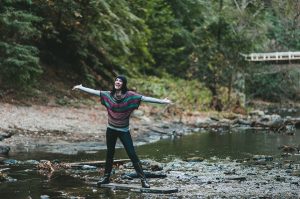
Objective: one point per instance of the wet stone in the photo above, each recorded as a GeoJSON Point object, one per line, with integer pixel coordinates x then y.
{"type": "Point", "coordinates": [147, 174]}
{"type": "Point", "coordinates": [88, 167]}
{"type": "Point", "coordinates": [152, 165]}
{"type": "Point", "coordinates": [261, 158]}
{"type": "Point", "coordinates": [280, 179]}
{"type": "Point", "coordinates": [31, 162]}
{"type": "Point", "coordinates": [4, 150]}
{"type": "Point", "coordinates": [295, 183]}
{"type": "Point", "coordinates": [10, 162]}
{"type": "Point", "coordinates": [3, 177]}
{"type": "Point", "coordinates": [5, 135]}
{"type": "Point", "coordinates": [194, 159]}
{"type": "Point", "coordinates": [296, 173]}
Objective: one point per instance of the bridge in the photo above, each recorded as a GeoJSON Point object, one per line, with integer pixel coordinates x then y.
{"type": "Point", "coordinates": [273, 56]}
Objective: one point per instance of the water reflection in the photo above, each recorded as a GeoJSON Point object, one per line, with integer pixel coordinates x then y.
{"type": "Point", "coordinates": [235, 145]}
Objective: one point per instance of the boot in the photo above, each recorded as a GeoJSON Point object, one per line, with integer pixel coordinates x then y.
{"type": "Point", "coordinates": [104, 179]}
{"type": "Point", "coordinates": [139, 170]}
{"type": "Point", "coordinates": [107, 172]}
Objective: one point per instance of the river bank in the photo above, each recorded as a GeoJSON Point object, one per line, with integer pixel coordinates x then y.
{"type": "Point", "coordinates": [73, 130]}
{"type": "Point", "coordinates": [59, 128]}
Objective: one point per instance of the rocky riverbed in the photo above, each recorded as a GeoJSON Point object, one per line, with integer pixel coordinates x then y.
{"type": "Point", "coordinates": [70, 130]}
{"type": "Point", "coordinates": [195, 178]}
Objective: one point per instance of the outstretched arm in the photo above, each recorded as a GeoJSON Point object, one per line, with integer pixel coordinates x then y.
{"type": "Point", "coordinates": [87, 90]}
{"type": "Point", "coordinates": [155, 100]}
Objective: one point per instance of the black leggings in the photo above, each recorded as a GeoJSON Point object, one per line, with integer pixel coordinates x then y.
{"type": "Point", "coordinates": [111, 139]}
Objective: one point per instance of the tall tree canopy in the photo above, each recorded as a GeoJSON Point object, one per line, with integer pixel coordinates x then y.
{"type": "Point", "coordinates": [191, 39]}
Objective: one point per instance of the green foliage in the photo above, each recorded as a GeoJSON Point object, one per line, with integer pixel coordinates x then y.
{"type": "Point", "coordinates": [283, 31]}
{"type": "Point", "coordinates": [102, 37]}
{"type": "Point", "coordinates": [227, 31]}
{"type": "Point", "coordinates": [195, 40]}
{"type": "Point", "coordinates": [189, 95]}
{"type": "Point", "coordinates": [161, 24]}
{"type": "Point", "coordinates": [285, 22]}
{"type": "Point", "coordinates": [20, 64]}
{"type": "Point", "coordinates": [19, 59]}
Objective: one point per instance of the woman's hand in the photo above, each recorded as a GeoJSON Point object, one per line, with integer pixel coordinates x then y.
{"type": "Point", "coordinates": [77, 87]}
{"type": "Point", "coordinates": [167, 101]}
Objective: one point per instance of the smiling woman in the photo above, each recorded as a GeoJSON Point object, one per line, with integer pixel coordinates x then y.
{"type": "Point", "coordinates": [120, 103]}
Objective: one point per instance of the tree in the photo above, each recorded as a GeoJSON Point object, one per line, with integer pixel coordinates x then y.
{"type": "Point", "coordinates": [101, 37]}
{"type": "Point", "coordinates": [19, 58]}
{"type": "Point", "coordinates": [161, 28]}
{"type": "Point", "coordinates": [218, 32]}
{"type": "Point", "coordinates": [278, 81]}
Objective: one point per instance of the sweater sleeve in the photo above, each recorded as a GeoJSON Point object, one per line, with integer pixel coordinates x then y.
{"type": "Point", "coordinates": [153, 100]}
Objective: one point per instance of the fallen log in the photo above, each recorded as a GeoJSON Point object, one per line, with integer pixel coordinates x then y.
{"type": "Point", "coordinates": [138, 188]}
{"type": "Point", "coordinates": [237, 178]}
{"type": "Point", "coordinates": [147, 174]}
{"type": "Point", "coordinates": [97, 163]}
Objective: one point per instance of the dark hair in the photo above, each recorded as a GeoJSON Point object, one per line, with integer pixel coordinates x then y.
{"type": "Point", "coordinates": [124, 88]}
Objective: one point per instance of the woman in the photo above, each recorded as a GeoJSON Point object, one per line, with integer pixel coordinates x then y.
{"type": "Point", "coordinates": [120, 103]}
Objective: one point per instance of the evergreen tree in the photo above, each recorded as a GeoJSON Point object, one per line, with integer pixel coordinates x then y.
{"type": "Point", "coordinates": [19, 58]}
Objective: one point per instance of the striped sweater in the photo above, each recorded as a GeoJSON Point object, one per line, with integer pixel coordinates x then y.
{"type": "Point", "coordinates": [119, 111]}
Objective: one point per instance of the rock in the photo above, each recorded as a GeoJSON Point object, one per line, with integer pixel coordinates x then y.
{"type": "Point", "coordinates": [238, 178]}
{"type": "Point", "coordinates": [257, 113]}
{"type": "Point", "coordinates": [164, 126]}
{"type": "Point", "coordinates": [230, 172]}
{"type": "Point", "coordinates": [295, 183]}
{"type": "Point", "coordinates": [214, 118]}
{"type": "Point", "coordinates": [201, 121]}
{"type": "Point", "coordinates": [45, 197]}
{"type": "Point", "coordinates": [87, 167]}
{"type": "Point", "coordinates": [242, 122]}
{"type": "Point", "coordinates": [288, 149]}
{"type": "Point", "coordinates": [271, 118]}
{"type": "Point", "coordinates": [286, 154]}
{"type": "Point", "coordinates": [147, 174]}
{"type": "Point", "coordinates": [3, 177]}
{"type": "Point", "coordinates": [10, 161]}
{"type": "Point", "coordinates": [280, 179]}
{"type": "Point", "coordinates": [262, 158]}
{"type": "Point", "coordinates": [226, 121]}
{"type": "Point", "coordinates": [152, 165]}
{"type": "Point", "coordinates": [7, 135]}
{"type": "Point", "coordinates": [296, 173]}
{"type": "Point", "coordinates": [4, 150]}
{"type": "Point", "coordinates": [194, 159]}
{"type": "Point", "coordinates": [31, 162]}
{"type": "Point", "coordinates": [4, 135]}
{"type": "Point", "coordinates": [297, 123]}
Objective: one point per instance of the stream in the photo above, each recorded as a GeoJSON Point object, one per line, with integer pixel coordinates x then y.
{"type": "Point", "coordinates": [245, 144]}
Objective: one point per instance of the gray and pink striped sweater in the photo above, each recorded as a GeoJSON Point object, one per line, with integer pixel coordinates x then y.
{"type": "Point", "coordinates": [119, 111]}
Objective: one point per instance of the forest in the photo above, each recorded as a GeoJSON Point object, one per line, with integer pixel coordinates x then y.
{"type": "Point", "coordinates": [161, 45]}
{"type": "Point", "coordinates": [213, 123]}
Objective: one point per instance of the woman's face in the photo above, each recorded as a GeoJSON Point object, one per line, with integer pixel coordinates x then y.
{"type": "Point", "coordinates": [118, 84]}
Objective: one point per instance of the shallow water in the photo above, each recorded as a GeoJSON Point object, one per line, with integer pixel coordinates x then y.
{"type": "Point", "coordinates": [237, 145]}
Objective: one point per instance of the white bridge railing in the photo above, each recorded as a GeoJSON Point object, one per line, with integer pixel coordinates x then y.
{"type": "Point", "coordinates": [274, 56]}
